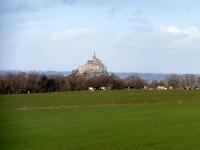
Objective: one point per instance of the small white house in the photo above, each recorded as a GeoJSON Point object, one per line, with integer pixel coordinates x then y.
{"type": "Point", "coordinates": [161, 88]}
{"type": "Point", "coordinates": [103, 88]}
{"type": "Point", "coordinates": [91, 89]}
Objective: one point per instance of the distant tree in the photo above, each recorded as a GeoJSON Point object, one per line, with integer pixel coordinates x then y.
{"type": "Point", "coordinates": [77, 83]}
{"type": "Point", "coordinates": [62, 84]}
{"type": "Point", "coordinates": [33, 83]}
{"type": "Point", "coordinates": [198, 81]}
{"type": "Point", "coordinates": [2, 85]}
{"type": "Point", "coordinates": [20, 82]}
{"type": "Point", "coordinates": [43, 83]}
{"type": "Point", "coordinates": [135, 82]}
{"type": "Point", "coordinates": [154, 84]}
{"type": "Point", "coordinates": [173, 80]}
{"type": "Point", "coordinates": [191, 80]}
{"type": "Point", "coordinates": [10, 83]}
{"type": "Point", "coordinates": [51, 85]}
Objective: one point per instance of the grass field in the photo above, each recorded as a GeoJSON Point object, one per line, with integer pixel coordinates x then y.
{"type": "Point", "coordinates": [114, 120]}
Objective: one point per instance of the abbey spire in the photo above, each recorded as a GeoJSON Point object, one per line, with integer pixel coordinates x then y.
{"type": "Point", "coordinates": [94, 57]}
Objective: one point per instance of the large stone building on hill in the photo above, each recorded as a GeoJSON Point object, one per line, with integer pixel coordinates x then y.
{"type": "Point", "coordinates": [93, 67]}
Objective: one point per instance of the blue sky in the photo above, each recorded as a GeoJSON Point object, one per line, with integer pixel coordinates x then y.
{"type": "Point", "coordinates": [128, 35]}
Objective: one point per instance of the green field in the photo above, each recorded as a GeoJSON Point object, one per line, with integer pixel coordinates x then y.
{"type": "Point", "coordinates": [112, 120]}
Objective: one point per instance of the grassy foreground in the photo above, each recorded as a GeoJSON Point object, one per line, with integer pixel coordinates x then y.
{"type": "Point", "coordinates": [112, 120]}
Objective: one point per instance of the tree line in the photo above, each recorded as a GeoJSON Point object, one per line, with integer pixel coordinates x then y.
{"type": "Point", "coordinates": [37, 83]}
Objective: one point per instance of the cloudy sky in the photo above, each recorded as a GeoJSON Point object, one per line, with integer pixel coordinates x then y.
{"type": "Point", "coordinates": [159, 36]}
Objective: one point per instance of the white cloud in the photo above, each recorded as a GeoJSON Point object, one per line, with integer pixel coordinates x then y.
{"type": "Point", "coordinates": [172, 29]}
{"type": "Point", "coordinates": [193, 32]}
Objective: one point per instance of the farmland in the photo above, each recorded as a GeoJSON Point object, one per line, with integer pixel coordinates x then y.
{"type": "Point", "coordinates": [106, 120]}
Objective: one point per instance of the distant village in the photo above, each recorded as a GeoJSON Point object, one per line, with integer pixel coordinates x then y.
{"type": "Point", "coordinates": [95, 68]}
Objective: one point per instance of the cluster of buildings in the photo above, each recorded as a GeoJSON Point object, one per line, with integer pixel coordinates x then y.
{"type": "Point", "coordinates": [93, 67]}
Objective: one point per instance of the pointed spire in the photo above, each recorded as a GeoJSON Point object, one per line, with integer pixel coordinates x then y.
{"type": "Point", "coordinates": [94, 55]}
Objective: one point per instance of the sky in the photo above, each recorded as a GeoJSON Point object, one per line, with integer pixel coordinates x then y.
{"type": "Point", "coordinates": [148, 36]}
